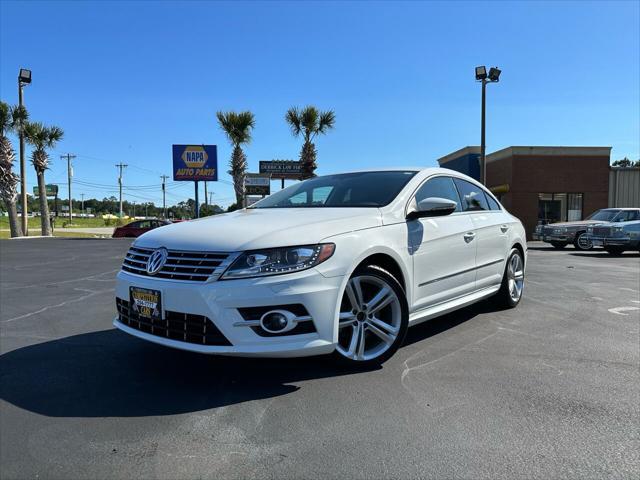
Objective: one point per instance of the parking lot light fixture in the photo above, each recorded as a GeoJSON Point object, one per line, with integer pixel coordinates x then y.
{"type": "Point", "coordinates": [493, 77]}
{"type": "Point", "coordinates": [481, 72]}
{"type": "Point", "coordinates": [24, 77]}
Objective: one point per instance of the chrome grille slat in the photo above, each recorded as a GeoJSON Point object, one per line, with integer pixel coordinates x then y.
{"type": "Point", "coordinates": [181, 265]}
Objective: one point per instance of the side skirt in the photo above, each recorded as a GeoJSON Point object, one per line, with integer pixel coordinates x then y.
{"type": "Point", "coordinates": [439, 309]}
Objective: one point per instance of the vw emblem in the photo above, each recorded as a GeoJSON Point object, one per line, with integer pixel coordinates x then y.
{"type": "Point", "coordinates": [156, 260]}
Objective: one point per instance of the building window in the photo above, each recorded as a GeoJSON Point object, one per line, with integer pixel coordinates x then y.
{"type": "Point", "coordinates": [559, 207]}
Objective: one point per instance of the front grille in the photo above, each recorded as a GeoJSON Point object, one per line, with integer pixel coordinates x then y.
{"type": "Point", "coordinates": [184, 327]}
{"type": "Point", "coordinates": [601, 231]}
{"type": "Point", "coordinates": [180, 265]}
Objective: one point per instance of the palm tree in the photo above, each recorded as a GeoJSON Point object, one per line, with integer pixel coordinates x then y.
{"type": "Point", "coordinates": [42, 138]}
{"type": "Point", "coordinates": [237, 127]}
{"type": "Point", "coordinates": [310, 122]}
{"type": "Point", "coordinates": [12, 119]}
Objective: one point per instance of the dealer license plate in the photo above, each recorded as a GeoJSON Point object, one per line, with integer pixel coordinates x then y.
{"type": "Point", "coordinates": [146, 303]}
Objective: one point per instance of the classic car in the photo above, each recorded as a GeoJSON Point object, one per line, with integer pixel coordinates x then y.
{"type": "Point", "coordinates": [615, 238]}
{"type": "Point", "coordinates": [559, 235]}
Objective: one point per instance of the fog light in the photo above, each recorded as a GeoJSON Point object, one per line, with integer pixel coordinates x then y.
{"type": "Point", "coordinates": [275, 321]}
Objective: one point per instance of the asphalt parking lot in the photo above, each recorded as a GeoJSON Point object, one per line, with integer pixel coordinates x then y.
{"type": "Point", "coordinates": [549, 390]}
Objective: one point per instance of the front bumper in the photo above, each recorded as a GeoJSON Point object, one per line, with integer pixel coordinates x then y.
{"type": "Point", "coordinates": [219, 302]}
{"type": "Point", "coordinates": [604, 241]}
{"type": "Point", "coordinates": [564, 238]}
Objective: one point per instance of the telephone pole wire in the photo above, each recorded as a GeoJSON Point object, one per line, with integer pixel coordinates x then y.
{"type": "Point", "coordinates": [121, 166]}
{"type": "Point", "coordinates": [164, 201]}
{"type": "Point", "coordinates": [69, 157]}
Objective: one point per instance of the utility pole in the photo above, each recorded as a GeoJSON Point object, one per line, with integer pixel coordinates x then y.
{"type": "Point", "coordinates": [210, 198]}
{"type": "Point", "coordinates": [69, 157]}
{"type": "Point", "coordinates": [134, 210]}
{"type": "Point", "coordinates": [164, 200]}
{"type": "Point", "coordinates": [206, 197]}
{"type": "Point", "coordinates": [146, 209]}
{"type": "Point", "coordinates": [82, 195]}
{"type": "Point", "coordinates": [121, 166]}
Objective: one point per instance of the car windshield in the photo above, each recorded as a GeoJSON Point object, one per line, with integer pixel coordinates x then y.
{"type": "Point", "coordinates": [603, 215]}
{"type": "Point", "coordinates": [362, 189]}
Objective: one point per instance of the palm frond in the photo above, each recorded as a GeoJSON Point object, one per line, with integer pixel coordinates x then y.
{"type": "Point", "coordinates": [309, 120]}
{"type": "Point", "coordinates": [19, 118]}
{"type": "Point", "coordinates": [237, 126]}
{"type": "Point", "coordinates": [54, 135]}
{"type": "Point", "coordinates": [5, 118]}
{"type": "Point", "coordinates": [327, 121]}
{"type": "Point", "coordinates": [292, 117]}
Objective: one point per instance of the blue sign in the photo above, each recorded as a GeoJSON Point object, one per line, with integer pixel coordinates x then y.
{"type": "Point", "coordinates": [195, 163]}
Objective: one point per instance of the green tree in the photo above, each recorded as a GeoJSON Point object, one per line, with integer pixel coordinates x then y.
{"type": "Point", "coordinates": [237, 127]}
{"type": "Point", "coordinates": [42, 138]}
{"type": "Point", "coordinates": [12, 119]}
{"type": "Point", "coordinates": [625, 162]}
{"type": "Point", "coordinates": [309, 122]}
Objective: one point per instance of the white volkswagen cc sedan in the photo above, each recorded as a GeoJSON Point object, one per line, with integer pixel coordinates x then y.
{"type": "Point", "coordinates": [340, 264]}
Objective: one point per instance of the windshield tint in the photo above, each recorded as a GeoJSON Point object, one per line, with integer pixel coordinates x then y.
{"type": "Point", "coordinates": [603, 215]}
{"type": "Point", "coordinates": [362, 189]}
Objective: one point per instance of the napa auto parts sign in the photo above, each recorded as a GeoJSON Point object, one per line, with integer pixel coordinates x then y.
{"type": "Point", "coordinates": [195, 163]}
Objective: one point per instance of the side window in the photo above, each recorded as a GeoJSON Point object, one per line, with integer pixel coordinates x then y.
{"type": "Point", "coordinates": [441, 187]}
{"type": "Point", "coordinates": [144, 224]}
{"type": "Point", "coordinates": [473, 198]}
{"type": "Point", "coordinates": [134, 225]}
{"type": "Point", "coordinates": [493, 205]}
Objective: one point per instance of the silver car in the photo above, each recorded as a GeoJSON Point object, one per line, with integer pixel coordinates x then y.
{"type": "Point", "coordinates": [559, 235]}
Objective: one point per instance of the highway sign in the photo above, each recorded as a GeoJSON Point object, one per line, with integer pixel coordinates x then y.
{"type": "Point", "coordinates": [52, 190]}
{"type": "Point", "coordinates": [289, 169]}
{"type": "Point", "coordinates": [195, 163]}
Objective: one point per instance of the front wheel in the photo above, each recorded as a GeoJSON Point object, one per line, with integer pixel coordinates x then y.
{"type": "Point", "coordinates": [583, 241]}
{"type": "Point", "coordinates": [373, 318]}
{"type": "Point", "coordinates": [510, 292]}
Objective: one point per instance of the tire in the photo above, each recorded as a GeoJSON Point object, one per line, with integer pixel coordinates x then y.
{"type": "Point", "coordinates": [558, 245]}
{"type": "Point", "coordinates": [368, 335]}
{"type": "Point", "coordinates": [615, 250]}
{"type": "Point", "coordinates": [583, 242]}
{"type": "Point", "coordinates": [512, 286]}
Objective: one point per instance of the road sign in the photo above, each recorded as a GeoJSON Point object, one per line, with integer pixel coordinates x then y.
{"type": "Point", "coordinates": [195, 163]}
{"type": "Point", "coordinates": [52, 190]}
{"type": "Point", "coordinates": [255, 184]}
{"type": "Point", "coordinates": [289, 169]}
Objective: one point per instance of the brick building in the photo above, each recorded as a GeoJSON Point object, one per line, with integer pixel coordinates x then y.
{"type": "Point", "coordinates": [544, 184]}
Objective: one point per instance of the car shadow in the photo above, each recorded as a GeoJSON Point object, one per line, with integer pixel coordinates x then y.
{"type": "Point", "coordinates": [111, 374]}
{"type": "Point", "coordinates": [606, 255]}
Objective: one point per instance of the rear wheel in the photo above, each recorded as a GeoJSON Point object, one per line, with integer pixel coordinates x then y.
{"type": "Point", "coordinates": [510, 292]}
{"type": "Point", "coordinates": [583, 241]}
{"type": "Point", "coordinates": [373, 318]}
{"type": "Point", "coordinates": [615, 250]}
{"type": "Point", "coordinates": [558, 245]}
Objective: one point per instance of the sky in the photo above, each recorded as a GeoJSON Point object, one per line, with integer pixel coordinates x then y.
{"type": "Point", "coordinates": [126, 80]}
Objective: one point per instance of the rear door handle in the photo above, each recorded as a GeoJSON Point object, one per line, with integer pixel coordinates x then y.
{"type": "Point", "coordinates": [504, 228]}
{"type": "Point", "coordinates": [468, 237]}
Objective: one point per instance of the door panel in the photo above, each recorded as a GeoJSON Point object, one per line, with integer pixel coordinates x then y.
{"type": "Point", "coordinates": [443, 260]}
{"type": "Point", "coordinates": [492, 237]}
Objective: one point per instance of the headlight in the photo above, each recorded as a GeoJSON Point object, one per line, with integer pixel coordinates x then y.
{"type": "Point", "coordinates": [274, 261]}
{"type": "Point", "coordinates": [618, 229]}
{"type": "Point", "coordinates": [589, 229]}
{"type": "Point", "coordinates": [560, 230]}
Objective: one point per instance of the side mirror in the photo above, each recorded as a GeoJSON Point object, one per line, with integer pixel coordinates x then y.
{"type": "Point", "coordinates": [432, 207]}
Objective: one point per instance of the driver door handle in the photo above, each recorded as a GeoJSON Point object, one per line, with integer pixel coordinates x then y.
{"type": "Point", "coordinates": [468, 237]}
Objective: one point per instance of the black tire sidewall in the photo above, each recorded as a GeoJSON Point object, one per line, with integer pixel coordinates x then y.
{"type": "Point", "coordinates": [381, 273]}
{"type": "Point", "coordinates": [503, 295]}
{"type": "Point", "coordinates": [576, 243]}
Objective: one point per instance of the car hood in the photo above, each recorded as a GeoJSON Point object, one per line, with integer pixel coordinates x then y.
{"type": "Point", "coordinates": [251, 229]}
{"type": "Point", "coordinates": [574, 224]}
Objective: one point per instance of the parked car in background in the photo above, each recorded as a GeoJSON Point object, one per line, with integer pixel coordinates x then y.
{"type": "Point", "coordinates": [616, 238]}
{"type": "Point", "coordinates": [559, 235]}
{"type": "Point", "coordinates": [337, 264]}
{"type": "Point", "coordinates": [137, 228]}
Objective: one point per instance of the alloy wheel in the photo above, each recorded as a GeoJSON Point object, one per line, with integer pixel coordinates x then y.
{"type": "Point", "coordinates": [515, 276]}
{"type": "Point", "coordinates": [370, 318]}
{"type": "Point", "coordinates": [584, 242]}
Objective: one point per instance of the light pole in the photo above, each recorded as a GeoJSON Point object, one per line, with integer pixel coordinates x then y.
{"type": "Point", "coordinates": [82, 195]}
{"type": "Point", "coordinates": [24, 78]}
{"type": "Point", "coordinates": [492, 77]}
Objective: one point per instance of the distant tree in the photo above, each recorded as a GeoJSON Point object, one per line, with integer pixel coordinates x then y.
{"type": "Point", "coordinates": [42, 138]}
{"type": "Point", "coordinates": [237, 127]}
{"type": "Point", "coordinates": [208, 210]}
{"type": "Point", "coordinates": [233, 207]}
{"type": "Point", "coordinates": [625, 162]}
{"type": "Point", "coordinates": [309, 122]}
{"type": "Point", "coordinates": [12, 120]}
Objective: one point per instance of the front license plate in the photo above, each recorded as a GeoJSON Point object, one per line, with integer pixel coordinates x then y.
{"type": "Point", "coordinates": [146, 303]}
